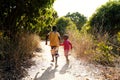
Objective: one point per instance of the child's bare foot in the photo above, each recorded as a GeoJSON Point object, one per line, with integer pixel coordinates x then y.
{"type": "Point", "coordinates": [56, 66]}
{"type": "Point", "coordinates": [67, 61]}
{"type": "Point", "coordinates": [52, 60]}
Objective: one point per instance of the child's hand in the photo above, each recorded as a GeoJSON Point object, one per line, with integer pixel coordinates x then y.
{"type": "Point", "coordinates": [61, 44]}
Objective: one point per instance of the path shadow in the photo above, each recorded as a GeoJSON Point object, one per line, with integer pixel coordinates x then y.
{"type": "Point", "coordinates": [64, 69]}
{"type": "Point", "coordinates": [48, 74]}
{"type": "Point", "coordinates": [36, 76]}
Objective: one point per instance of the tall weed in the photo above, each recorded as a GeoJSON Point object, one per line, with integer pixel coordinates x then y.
{"type": "Point", "coordinates": [82, 44]}
{"type": "Point", "coordinates": [16, 55]}
{"type": "Point", "coordinates": [93, 48]}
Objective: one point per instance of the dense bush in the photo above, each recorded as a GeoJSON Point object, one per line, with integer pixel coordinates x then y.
{"type": "Point", "coordinates": [106, 18]}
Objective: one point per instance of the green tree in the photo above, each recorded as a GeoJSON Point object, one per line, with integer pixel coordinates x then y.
{"type": "Point", "coordinates": [47, 19]}
{"type": "Point", "coordinates": [78, 19]}
{"type": "Point", "coordinates": [17, 16]}
{"type": "Point", "coordinates": [21, 14]}
{"type": "Point", "coordinates": [107, 18]}
{"type": "Point", "coordinates": [64, 24]}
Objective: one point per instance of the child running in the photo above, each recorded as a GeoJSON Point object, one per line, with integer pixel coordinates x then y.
{"type": "Point", "coordinates": [67, 46]}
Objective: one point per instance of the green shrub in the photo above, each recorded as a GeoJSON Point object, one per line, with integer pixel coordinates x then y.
{"type": "Point", "coordinates": [103, 54]}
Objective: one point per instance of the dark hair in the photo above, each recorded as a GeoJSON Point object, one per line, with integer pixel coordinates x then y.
{"type": "Point", "coordinates": [66, 36]}
{"type": "Point", "coordinates": [54, 28]}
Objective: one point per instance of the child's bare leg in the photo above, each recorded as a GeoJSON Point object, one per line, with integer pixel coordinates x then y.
{"type": "Point", "coordinates": [56, 61]}
{"type": "Point", "coordinates": [52, 58]}
{"type": "Point", "coordinates": [67, 60]}
{"type": "Point", "coordinates": [56, 58]}
{"type": "Point", "coordinates": [53, 54]}
{"type": "Point", "coordinates": [66, 55]}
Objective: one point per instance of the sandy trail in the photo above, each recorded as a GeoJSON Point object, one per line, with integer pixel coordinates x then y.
{"type": "Point", "coordinates": [75, 70]}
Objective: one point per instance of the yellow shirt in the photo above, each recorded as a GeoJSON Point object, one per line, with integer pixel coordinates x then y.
{"type": "Point", "coordinates": [54, 38]}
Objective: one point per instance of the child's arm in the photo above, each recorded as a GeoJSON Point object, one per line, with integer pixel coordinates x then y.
{"type": "Point", "coordinates": [70, 44]}
{"type": "Point", "coordinates": [61, 44]}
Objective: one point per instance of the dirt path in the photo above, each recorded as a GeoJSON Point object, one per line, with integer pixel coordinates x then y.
{"type": "Point", "coordinates": [75, 70]}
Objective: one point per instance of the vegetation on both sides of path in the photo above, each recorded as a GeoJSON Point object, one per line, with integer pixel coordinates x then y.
{"type": "Point", "coordinates": [96, 40]}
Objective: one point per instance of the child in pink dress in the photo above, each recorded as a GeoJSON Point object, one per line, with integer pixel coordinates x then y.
{"type": "Point", "coordinates": [67, 46]}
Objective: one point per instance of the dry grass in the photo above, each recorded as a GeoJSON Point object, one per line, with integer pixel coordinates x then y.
{"type": "Point", "coordinates": [92, 48]}
{"type": "Point", "coordinates": [82, 44]}
{"type": "Point", "coordinates": [98, 50]}
{"type": "Point", "coordinates": [28, 44]}
{"type": "Point", "coordinates": [16, 56]}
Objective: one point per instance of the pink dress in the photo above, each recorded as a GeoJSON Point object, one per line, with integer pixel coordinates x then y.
{"type": "Point", "coordinates": [67, 47]}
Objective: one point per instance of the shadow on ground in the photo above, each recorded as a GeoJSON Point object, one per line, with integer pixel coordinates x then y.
{"type": "Point", "coordinates": [64, 69]}
{"type": "Point", "coordinates": [47, 75]}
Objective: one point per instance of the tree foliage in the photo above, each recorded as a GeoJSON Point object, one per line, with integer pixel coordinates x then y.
{"type": "Point", "coordinates": [78, 19]}
{"type": "Point", "coordinates": [18, 18]}
{"type": "Point", "coordinates": [64, 24]}
{"type": "Point", "coordinates": [21, 14]}
{"type": "Point", "coordinates": [47, 18]}
{"type": "Point", "coordinates": [107, 18]}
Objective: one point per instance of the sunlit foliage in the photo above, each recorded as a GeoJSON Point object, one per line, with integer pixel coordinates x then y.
{"type": "Point", "coordinates": [78, 19]}
{"type": "Point", "coordinates": [107, 18]}
{"type": "Point", "coordinates": [21, 14]}
{"type": "Point", "coordinates": [64, 24]}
